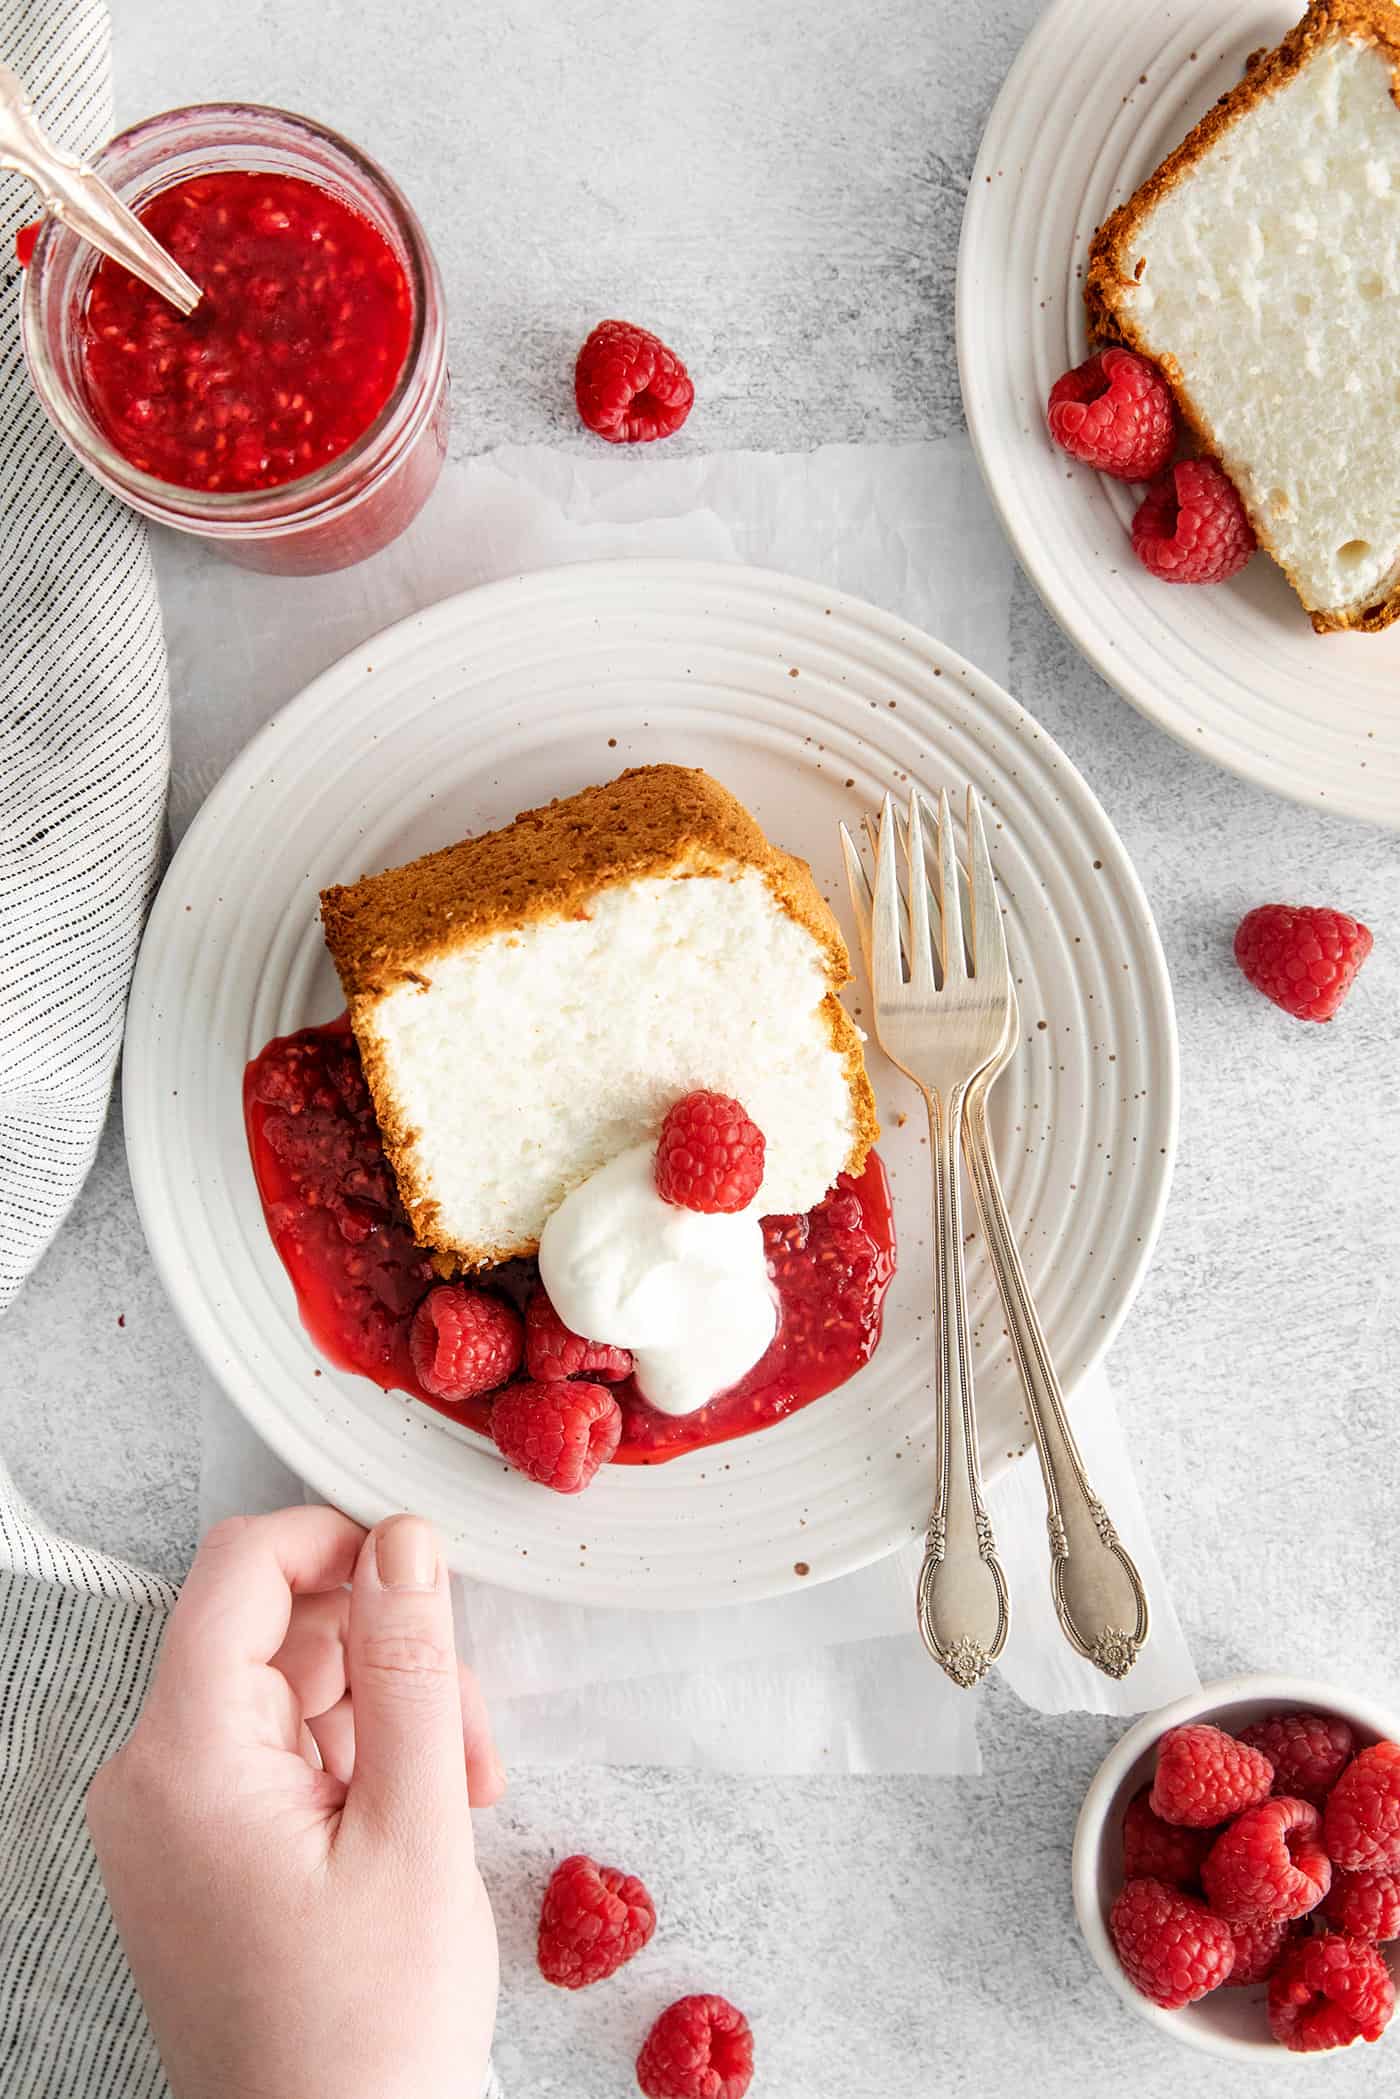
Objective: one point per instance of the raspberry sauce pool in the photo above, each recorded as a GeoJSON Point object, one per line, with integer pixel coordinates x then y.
{"type": "Point", "coordinates": [290, 355]}
{"type": "Point", "coordinates": [332, 1208]}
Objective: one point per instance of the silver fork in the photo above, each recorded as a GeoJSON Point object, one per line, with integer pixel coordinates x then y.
{"type": "Point", "coordinates": [941, 1034]}
{"type": "Point", "coordinates": [1098, 1594]}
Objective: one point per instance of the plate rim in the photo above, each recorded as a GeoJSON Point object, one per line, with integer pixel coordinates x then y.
{"type": "Point", "coordinates": [279, 1429]}
{"type": "Point", "coordinates": [1113, 665]}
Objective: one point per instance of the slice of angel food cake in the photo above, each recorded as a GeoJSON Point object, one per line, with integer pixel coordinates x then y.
{"type": "Point", "coordinates": [1258, 268]}
{"type": "Point", "coordinates": [612, 1122]}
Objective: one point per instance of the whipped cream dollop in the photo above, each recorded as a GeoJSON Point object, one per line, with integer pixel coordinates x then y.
{"type": "Point", "coordinates": [687, 1292]}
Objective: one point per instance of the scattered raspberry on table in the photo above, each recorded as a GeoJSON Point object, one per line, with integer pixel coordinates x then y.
{"type": "Point", "coordinates": [464, 1342]}
{"type": "Point", "coordinates": [1366, 1905]}
{"type": "Point", "coordinates": [557, 1433]}
{"type": "Point", "coordinates": [553, 1351]}
{"type": "Point", "coordinates": [1302, 956]}
{"type": "Point", "coordinates": [629, 387]}
{"type": "Point", "coordinates": [1157, 1850]}
{"type": "Point", "coordinates": [1268, 1864]}
{"type": "Point", "coordinates": [700, 2048]}
{"type": "Point", "coordinates": [1361, 1822]}
{"type": "Point", "coordinates": [1309, 1752]}
{"type": "Point", "coordinates": [1258, 1951]}
{"type": "Point", "coordinates": [1115, 412]}
{"type": "Point", "coordinates": [593, 1919]}
{"type": "Point", "coordinates": [710, 1155]}
{"type": "Point", "coordinates": [1171, 1947]}
{"type": "Point", "coordinates": [1204, 1776]}
{"type": "Point", "coordinates": [1329, 1992]}
{"type": "Point", "coordinates": [1191, 526]}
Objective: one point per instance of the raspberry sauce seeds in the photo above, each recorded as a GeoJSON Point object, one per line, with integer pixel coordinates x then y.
{"type": "Point", "coordinates": [332, 1208]}
{"type": "Point", "coordinates": [290, 355]}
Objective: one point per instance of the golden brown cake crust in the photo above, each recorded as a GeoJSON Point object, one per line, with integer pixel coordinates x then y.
{"type": "Point", "coordinates": [654, 820]}
{"type": "Point", "coordinates": [1113, 266]}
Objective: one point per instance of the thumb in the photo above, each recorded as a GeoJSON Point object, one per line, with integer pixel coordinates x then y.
{"type": "Point", "coordinates": [401, 1665]}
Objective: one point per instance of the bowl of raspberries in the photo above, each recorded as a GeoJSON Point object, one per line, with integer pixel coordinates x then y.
{"type": "Point", "coordinates": [1237, 1868]}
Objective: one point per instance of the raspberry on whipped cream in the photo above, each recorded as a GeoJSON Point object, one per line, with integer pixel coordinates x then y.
{"type": "Point", "coordinates": [686, 1291]}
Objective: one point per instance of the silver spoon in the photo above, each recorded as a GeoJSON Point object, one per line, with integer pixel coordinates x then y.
{"type": "Point", "coordinates": [81, 199]}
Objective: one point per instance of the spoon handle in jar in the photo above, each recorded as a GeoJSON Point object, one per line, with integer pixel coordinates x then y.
{"type": "Point", "coordinates": [80, 198]}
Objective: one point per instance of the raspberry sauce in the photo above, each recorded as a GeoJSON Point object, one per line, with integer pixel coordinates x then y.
{"type": "Point", "coordinates": [332, 1207]}
{"type": "Point", "coordinates": [831, 1269]}
{"type": "Point", "coordinates": [290, 355]}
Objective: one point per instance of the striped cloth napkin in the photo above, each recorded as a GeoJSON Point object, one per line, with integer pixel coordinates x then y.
{"type": "Point", "coordinates": [84, 760]}
{"type": "Point", "coordinates": [84, 718]}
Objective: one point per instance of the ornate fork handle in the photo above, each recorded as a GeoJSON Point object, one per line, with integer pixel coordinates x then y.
{"type": "Point", "coordinates": [1099, 1597]}
{"type": "Point", "coordinates": [964, 1612]}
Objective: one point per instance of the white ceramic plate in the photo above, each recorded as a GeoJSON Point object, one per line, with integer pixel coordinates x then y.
{"type": "Point", "coordinates": [809, 706]}
{"type": "Point", "coordinates": [1093, 103]}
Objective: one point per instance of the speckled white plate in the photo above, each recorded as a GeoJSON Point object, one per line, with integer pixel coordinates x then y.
{"type": "Point", "coordinates": [1093, 103]}
{"type": "Point", "coordinates": [809, 706]}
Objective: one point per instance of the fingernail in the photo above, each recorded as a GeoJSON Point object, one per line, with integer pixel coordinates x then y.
{"type": "Point", "coordinates": [405, 1554]}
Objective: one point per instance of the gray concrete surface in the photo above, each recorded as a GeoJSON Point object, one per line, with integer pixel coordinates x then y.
{"type": "Point", "coordinates": [778, 190]}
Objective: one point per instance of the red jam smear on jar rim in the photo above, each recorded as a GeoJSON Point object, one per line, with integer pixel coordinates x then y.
{"type": "Point", "coordinates": [290, 355]}
{"type": "Point", "coordinates": [331, 1204]}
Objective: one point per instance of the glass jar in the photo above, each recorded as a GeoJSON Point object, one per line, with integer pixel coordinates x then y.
{"type": "Point", "coordinates": [347, 508]}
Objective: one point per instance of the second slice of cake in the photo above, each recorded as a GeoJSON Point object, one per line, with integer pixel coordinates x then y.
{"type": "Point", "coordinates": [1259, 267]}
{"type": "Point", "coordinates": [528, 1004]}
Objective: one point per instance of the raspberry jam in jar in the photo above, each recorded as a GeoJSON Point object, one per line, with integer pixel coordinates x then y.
{"type": "Point", "coordinates": [297, 418]}
{"type": "Point", "coordinates": [289, 356]}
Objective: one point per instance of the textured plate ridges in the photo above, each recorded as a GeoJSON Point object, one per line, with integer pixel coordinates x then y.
{"type": "Point", "coordinates": [808, 705]}
{"type": "Point", "coordinates": [1236, 672]}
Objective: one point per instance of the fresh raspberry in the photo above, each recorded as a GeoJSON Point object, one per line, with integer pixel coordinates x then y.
{"type": "Point", "coordinates": [1328, 1992]}
{"type": "Point", "coordinates": [1361, 1822]}
{"type": "Point", "coordinates": [1154, 1850]}
{"type": "Point", "coordinates": [1309, 1752]}
{"type": "Point", "coordinates": [1268, 1864]}
{"type": "Point", "coordinates": [1116, 413]}
{"type": "Point", "coordinates": [553, 1351]}
{"type": "Point", "coordinates": [629, 387]}
{"type": "Point", "coordinates": [709, 1155]}
{"type": "Point", "coordinates": [1204, 1776]}
{"type": "Point", "coordinates": [592, 1920]}
{"type": "Point", "coordinates": [700, 2048]}
{"type": "Point", "coordinates": [1191, 526]}
{"type": "Point", "coordinates": [1258, 1951]}
{"type": "Point", "coordinates": [557, 1433]}
{"type": "Point", "coordinates": [1171, 1947]}
{"type": "Point", "coordinates": [464, 1342]}
{"type": "Point", "coordinates": [1367, 1905]}
{"type": "Point", "coordinates": [1301, 956]}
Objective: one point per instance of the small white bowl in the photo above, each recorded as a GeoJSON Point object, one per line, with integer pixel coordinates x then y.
{"type": "Point", "coordinates": [1227, 2022]}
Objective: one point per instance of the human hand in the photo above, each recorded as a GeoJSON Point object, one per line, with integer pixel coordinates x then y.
{"type": "Point", "coordinates": [300, 1932]}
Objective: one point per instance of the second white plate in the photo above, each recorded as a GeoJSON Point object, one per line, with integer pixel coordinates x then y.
{"type": "Point", "coordinates": [1093, 103]}
{"type": "Point", "coordinates": [809, 706]}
